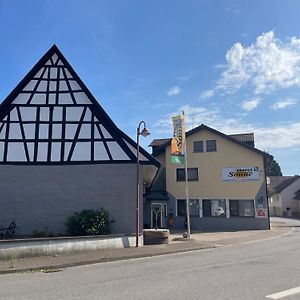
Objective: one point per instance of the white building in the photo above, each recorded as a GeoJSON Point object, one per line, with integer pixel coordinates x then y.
{"type": "Point", "coordinates": [283, 196]}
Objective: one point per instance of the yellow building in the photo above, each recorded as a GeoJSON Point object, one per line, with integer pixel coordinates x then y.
{"type": "Point", "coordinates": [226, 180]}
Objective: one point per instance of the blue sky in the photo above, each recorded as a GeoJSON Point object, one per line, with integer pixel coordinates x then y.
{"type": "Point", "coordinates": [232, 65]}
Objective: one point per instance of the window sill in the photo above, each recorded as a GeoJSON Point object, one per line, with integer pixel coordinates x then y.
{"type": "Point", "coordinates": [196, 180]}
{"type": "Point", "coordinates": [214, 217]}
{"type": "Point", "coordinates": [248, 217]}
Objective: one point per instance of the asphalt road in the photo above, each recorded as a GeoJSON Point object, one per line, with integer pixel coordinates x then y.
{"type": "Point", "coordinates": [248, 271]}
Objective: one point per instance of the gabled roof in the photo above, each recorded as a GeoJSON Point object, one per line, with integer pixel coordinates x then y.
{"type": "Point", "coordinates": [52, 118]}
{"type": "Point", "coordinates": [247, 138]}
{"type": "Point", "coordinates": [164, 144]}
{"type": "Point", "coordinates": [279, 183]}
{"type": "Point", "coordinates": [159, 142]}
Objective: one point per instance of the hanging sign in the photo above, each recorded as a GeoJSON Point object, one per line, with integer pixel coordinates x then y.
{"type": "Point", "coordinates": [178, 140]}
{"type": "Point", "coordinates": [240, 174]}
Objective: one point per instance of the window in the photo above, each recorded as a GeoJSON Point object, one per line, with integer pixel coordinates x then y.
{"type": "Point", "coordinates": [206, 208]}
{"type": "Point", "coordinates": [165, 210]}
{"type": "Point", "coordinates": [241, 208]}
{"type": "Point", "coordinates": [211, 146]}
{"type": "Point", "coordinates": [194, 207]}
{"type": "Point", "coordinates": [192, 174]}
{"type": "Point", "coordinates": [214, 207]}
{"type": "Point", "coordinates": [180, 174]}
{"type": "Point", "coordinates": [198, 146]}
{"type": "Point", "coordinates": [181, 207]}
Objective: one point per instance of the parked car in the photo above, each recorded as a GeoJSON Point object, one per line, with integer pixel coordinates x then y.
{"type": "Point", "coordinates": [219, 211]}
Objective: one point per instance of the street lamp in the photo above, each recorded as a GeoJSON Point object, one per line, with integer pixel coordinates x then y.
{"type": "Point", "coordinates": [144, 133]}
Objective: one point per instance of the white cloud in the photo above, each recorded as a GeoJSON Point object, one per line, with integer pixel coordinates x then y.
{"type": "Point", "coordinates": [268, 64]}
{"type": "Point", "coordinates": [194, 116]}
{"type": "Point", "coordinates": [220, 66]}
{"type": "Point", "coordinates": [174, 91]}
{"type": "Point", "coordinates": [250, 104]}
{"type": "Point", "coordinates": [162, 104]}
{"type": "Point", "coordinates": [233, 8]}
{"type": "Point", "coordinates": [197, 115]}
{"type": "Point", "coordinates": [284, 103]}
{"type": "Point", "coordinates": [278, 136]}
{"type": "Point", "coordinates": [207, 94]}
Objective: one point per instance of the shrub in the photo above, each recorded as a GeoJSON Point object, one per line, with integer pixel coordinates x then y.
{"type": "Point", "coordinates": [88, 222]}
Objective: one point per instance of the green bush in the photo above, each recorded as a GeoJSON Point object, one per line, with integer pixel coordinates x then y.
{"type": "Point", "coordinates": [88, 222]}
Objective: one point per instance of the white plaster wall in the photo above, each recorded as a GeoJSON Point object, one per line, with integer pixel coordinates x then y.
{"type": "Point", "coordinates": [287, 196]}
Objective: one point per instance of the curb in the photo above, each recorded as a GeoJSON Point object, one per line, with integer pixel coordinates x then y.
{"type": "Point", "coordinates": [59, 267]}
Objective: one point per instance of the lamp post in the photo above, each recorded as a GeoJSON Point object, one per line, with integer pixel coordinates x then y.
{"type": "Point", "coordinates": [144, 133]}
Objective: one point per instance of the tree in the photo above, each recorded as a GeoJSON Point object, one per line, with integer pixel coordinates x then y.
{"type": "Point", "coordinates": [274, 169]}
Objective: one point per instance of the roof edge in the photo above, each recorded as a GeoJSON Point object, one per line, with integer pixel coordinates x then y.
{"type": "Point", "coordinates": [162, 147]}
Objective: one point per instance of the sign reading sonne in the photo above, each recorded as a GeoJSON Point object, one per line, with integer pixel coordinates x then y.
{"type": "Point", "coordinates": [240, 174]}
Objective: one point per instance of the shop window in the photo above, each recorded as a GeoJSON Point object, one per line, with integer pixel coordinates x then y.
{"type": "Point", "coordinates": [241, 208]}
{"type": "Point", "coordinates": [193, 208]}
{"type": "Point", "coordinates": [206, 208]}
{"type": "Point", "coordinates": [198, 146]}
{"type": "Point", "coordinates": [211, 145]}
{"type": "Point", "coordinates": [181, 207]}
{"type": "Point", "coordinates": [214, 207]}
{"type": "Point", "coordinates": [192, 174]}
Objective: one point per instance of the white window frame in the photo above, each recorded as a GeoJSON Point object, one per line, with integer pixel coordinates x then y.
{"type": "Point", "coordinates": [161, 212]}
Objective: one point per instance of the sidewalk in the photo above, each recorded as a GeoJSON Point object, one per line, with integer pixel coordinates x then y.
{"type": "Point", "coordinates": [199, 241]}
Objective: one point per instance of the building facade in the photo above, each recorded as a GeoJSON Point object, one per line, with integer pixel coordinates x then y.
{"type": "Point", "coordinates": [61, 153]}
{"type": "Point", "coordinates": [227, 183]}
{"type": "Point", "coordinates": [283, 192]}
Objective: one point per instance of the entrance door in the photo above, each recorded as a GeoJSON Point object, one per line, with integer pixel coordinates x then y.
{"type": "Point", "coordinates": [156, 215]}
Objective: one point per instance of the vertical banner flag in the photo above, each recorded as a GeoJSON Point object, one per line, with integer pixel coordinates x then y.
{"type": "Point", "coordinates": [178, 140]}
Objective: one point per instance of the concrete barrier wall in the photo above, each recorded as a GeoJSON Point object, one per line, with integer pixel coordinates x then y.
{"type": "Point", "coordinates": [51, 246]}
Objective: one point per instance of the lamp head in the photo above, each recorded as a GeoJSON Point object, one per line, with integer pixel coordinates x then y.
{"type": "Point", "coordinates": [145, 132]}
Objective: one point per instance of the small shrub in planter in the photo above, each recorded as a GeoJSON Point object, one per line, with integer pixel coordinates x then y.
{"type": "Point", "coordinates": [88, 222]}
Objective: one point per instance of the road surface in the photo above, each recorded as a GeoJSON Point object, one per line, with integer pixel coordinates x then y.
{"type": "Point", "coordinates": [247, 271]}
